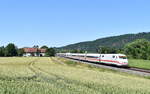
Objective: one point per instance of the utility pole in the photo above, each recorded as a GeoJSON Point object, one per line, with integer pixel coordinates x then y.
{"type": "Point", "coordinates": [99, 53]}
{"type": "Point", "coordinates": [85, 54]}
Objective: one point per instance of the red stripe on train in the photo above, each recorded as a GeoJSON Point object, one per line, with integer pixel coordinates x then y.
{"type": "Point", "coordinates": [112, 61]}
{"type": "Point", "coordinates": [95, 59]}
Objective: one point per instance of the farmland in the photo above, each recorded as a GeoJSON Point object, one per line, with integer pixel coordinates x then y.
{"type": "Point", "coordinates": [139, 63]}
{"type": "Point", "coordinates": [35, 75]}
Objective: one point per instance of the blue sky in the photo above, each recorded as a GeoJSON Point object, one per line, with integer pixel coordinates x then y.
{"type": "Point", "coordinates": [62, 22]}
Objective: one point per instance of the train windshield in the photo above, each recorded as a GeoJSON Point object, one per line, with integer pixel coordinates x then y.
{"type": "Point", "coordinates": [122, 57]}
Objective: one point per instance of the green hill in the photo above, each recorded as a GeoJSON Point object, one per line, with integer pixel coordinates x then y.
{"type": "Point", "coordinates": [114, 41]}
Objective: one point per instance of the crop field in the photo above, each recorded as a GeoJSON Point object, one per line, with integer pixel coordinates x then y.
{"type": "Point", "coordinates": [139, 63]}
{"type": "Point", "coordinates": [43, 75]}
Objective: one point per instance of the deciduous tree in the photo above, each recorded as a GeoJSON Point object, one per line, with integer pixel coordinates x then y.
{"type": "Point", "coordinates": [139, 49]}
{"type": "Point", "coordinates": [11, 50]}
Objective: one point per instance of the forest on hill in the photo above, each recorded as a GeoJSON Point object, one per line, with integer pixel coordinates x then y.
{"type": "Point", "coordinates": [113, 42]}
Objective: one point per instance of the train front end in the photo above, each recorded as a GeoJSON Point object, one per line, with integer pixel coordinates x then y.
{"type": "Point", "coordinates": [123, 61]}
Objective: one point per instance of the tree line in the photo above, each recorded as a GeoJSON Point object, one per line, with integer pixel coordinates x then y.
{"type": "Point", "coordinates": [138, 49]}
{"type": "Point", "coordinates": [12, 50]}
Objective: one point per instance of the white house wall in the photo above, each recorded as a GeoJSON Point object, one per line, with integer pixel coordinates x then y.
{"type": "Point", "coordinates": [35, 54]}
{"type": "Point", "coordinates": [27, 54]}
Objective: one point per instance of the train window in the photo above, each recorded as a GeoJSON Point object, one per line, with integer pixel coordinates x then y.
{"type": "Point", "coordinates": [102, 55]}
{"type": "Point", "coordinates": [74, 55]}
{"type": "Point", "coordinates": [113, 56]}
{"type": "Point", "coordinates": [92, 56]}
{"type": "Point", "coordinates": [122, 57]}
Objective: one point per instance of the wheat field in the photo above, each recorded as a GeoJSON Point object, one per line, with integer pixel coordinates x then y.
{"type": "Point", "coordinates": [44, 75]}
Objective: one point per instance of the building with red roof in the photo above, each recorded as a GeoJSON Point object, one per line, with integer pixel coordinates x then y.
{"type": "Point", "coordinates": [34, 52]}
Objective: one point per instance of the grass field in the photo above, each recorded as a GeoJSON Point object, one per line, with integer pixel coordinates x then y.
{"type": "Point", "coordinates": [139, 63]}
{"type": "Point", "coordinates": [46, 76]}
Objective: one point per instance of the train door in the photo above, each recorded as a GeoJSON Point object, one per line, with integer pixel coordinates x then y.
{"type": "Point", "coordinates": [84, 57]}
{"type": "Point", "coordinates": [102, 56]}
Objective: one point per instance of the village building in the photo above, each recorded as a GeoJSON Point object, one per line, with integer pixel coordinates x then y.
{"type": "Point", "coordinates": [34, 52]}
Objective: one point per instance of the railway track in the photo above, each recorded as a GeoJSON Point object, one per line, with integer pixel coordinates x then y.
{"type": "Point", "coordinates": [130, 70]}
{"type": "Point", "coordinates": [139, 69]}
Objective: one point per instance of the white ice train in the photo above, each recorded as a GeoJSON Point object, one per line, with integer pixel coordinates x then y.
{"type": "Point", "coordinates": [113, 59]}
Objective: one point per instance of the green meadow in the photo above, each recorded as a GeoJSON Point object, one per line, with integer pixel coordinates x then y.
{"type": "Point", "coordinates": [139, 63]}
{"type": "Point", "coordinates": [43, 75]}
